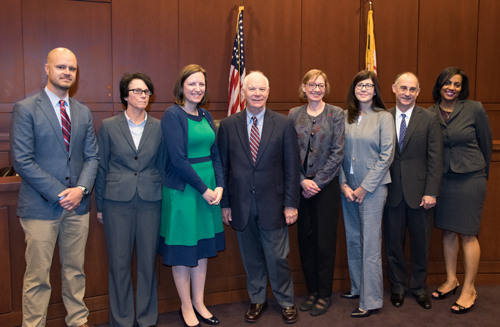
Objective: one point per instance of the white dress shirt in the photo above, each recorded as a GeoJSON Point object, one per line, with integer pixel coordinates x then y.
{"type": "Point", "coordinates": [136, 130]}
{"type": "Point", "coordinates": [54, 100]}
{"type": "Point", "coordinates": [399, 117]}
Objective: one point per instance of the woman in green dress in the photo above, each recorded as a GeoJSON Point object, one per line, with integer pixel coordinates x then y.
{"type": "Point", "coordinates": [191, 223]}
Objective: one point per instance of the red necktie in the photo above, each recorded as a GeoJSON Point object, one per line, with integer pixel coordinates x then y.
{"type": "Point", "coordinates": [66, 124]}
{"type": "Point", "coordinates": [254, 139]}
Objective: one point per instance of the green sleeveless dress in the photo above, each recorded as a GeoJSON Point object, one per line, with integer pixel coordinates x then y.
{"type": "Point", "coordinates": [191, 229]}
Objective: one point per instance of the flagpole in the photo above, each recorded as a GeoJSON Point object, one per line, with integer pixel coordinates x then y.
{"type": "Point", "coordinates": [239, 56]}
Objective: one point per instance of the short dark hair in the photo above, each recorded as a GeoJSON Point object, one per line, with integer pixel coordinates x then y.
{"type": "Point", "coordinates": [445, 75]}
{"type": "Point", "coordinates": [179, 84]}
{"type": "Point", "coordinates": [125, 82]}
{"type": "Point", "coordinates": [312, 75]}
{"type": "Point", "coordinates": [352, 103]}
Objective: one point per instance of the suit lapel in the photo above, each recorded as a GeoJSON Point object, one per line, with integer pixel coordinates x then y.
{"type": "Point", "coordinates": [267, 132]}
{"type": "Point", "coordinates": [145, 133]}
{"type": "Point", "coordinates": [435, 109]}
{"type": "Point", "coordinates": [458, 107]}
{"type": "Point", "coordinates": [47, 108]}
{"type": "Point", "coordinates": [416, 115]}
{"type": "Point", "coordinates": [393, 113]}
{"type": "Point", "coordinates": [241, 127]}
{"type": "Point", "coordinates": [122, 122]}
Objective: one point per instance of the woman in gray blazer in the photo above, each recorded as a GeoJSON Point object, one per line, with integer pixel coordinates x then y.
{"type": "Point", "coordinates": [368, 154]}
{"type": "Point", "coordinates": [466, 160]}
{"type": "Point", "coordinates": [320, 131]}
{"type": "Point", "coordinates": [128, 195]}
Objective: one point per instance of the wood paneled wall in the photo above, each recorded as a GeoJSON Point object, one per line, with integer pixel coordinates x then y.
{"type": "Point", "coordinates": [283, 39]}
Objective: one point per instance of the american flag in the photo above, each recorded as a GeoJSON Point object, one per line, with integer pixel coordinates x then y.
{"type": "Point", "coordinates": [237, 72]}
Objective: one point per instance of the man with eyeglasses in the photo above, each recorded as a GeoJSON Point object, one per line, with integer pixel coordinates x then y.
{"type": "Point", "coordinates": [54, 150]}
{"type": "Point", "coordinates": [416, 178]}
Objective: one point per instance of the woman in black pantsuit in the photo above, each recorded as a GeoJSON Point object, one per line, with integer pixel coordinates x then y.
{"type": "Point", "coordinates": [320, 131]}
{"type": "Point", "coordinates": [466, 158]}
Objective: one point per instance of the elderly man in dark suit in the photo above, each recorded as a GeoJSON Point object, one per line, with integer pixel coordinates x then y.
{"type": "Point", "coordinates": [54, 150]}
{"type": "Point", "coordinates": [416, 178]}
{"type": "Point", "coordinates": [261, 164]}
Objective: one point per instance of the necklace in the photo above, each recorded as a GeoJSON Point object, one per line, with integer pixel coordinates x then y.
{"type": "Point", "coordinates": [447, 113]}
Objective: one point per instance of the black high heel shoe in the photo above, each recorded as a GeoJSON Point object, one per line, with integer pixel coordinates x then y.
{"type": "Point", "coordinates": [358, 313]}
{"type": "Point", "coordinates": [441, 295]}
{"type": "Point", "coordinates": [209, 321]}
{"type": "Point", "coordinates": [461, 309]}
{"type": "Point", "coordinates": [184, 320]}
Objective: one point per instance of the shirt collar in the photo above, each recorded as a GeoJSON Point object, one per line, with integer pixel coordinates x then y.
{"type": "Point", "coordinates": [259, 116]}
{"type": "Point", "coordinates": [407, 113]}
{"type": "Point", "coordinates": [130, 120]}
{"type": "Point", "coordinates": [54, 99]}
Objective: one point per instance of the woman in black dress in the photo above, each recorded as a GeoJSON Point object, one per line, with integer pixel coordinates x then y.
{"type": "Point", "coordinates": [466, 159]}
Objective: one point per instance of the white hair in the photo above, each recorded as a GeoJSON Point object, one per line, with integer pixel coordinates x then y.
{"type": "Point", "coordinates": [254, 72]}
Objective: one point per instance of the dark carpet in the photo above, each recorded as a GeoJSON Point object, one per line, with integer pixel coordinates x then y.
{"type": "Point", "coordinates": [485, 313]}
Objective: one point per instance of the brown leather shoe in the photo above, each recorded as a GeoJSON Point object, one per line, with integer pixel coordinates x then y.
{"type": "Point", "coordinates": [290, 314]}
{"type": "Point", "coordinates": [253, 314]}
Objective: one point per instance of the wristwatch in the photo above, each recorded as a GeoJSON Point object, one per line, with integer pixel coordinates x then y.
{"type": "Point", "coordinates": [83, 189]}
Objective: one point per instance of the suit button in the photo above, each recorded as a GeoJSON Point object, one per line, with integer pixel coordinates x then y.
{"type": "Point", "coordinates": [66, 178]}
{"type": "Point", "coordinates": [311, 150]}
{"type": "Point", "coordinates": [353, 159]}
{"type": "Point", "coordinates": [312, 134]}
{"type": "Point", "coordinates": [69, 159]}
{"type": "Point", "coordinates": [310, 165]}
{"type": "Point", "coordinates": [135, 174]}
{"type": "Point", "coordinates": [135, 158]}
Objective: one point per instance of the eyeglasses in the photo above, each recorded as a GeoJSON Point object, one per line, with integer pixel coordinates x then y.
{"type": "Point", "coordinates": [139, 92]}
{"type": "Point", "coordinates": [367, 86]}
{"type": "Point", "coordinates": [404, 89]}
{"type": "Point", "coordinates": [313, 86]}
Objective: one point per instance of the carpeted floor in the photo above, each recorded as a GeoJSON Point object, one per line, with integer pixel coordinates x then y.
{"type": "Point", "coordinates": [485, 313]}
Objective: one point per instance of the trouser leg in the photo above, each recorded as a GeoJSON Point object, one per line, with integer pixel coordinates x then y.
{"type": "Point", "coordinates": [353, 240]}
{"type": "Point", "coordinates": [276, 249]}
{"type": "Point", "coordinates": [395, 219]}
{"type": "Point", "coordinates": [370, 216]}
{"type": "Point", "coordinates": [119, 225]}
{"type": "Point", "coordinates": [420, 224]}
{"type": "Point", "coordinates": [147, 231]}
{"type": "Point", "coordinates": [326, 210]}
{"type": "Point", "coordinates": [252, 255]}
{"type": "Point", "coordinates": [307, 245]}
{"type": "Point", "coordinates": [40, 237]}
{"type": "Point", "coordinates": [73, 233]}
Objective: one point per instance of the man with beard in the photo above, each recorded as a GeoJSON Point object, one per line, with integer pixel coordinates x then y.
{"type": "Point", "coordinates": [54, 150]}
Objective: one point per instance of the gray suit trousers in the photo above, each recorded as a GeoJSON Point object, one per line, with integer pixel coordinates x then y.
{"type": "Point", "coordinates": [135, 222]}
{"type": "Point", "coordinates": [260, 248]}
{"type": "Point", "coordinates": [363, 228]}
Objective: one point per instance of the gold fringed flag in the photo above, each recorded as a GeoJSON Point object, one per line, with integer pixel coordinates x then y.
{"type": "Point", "coordinates": [371, 55]}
